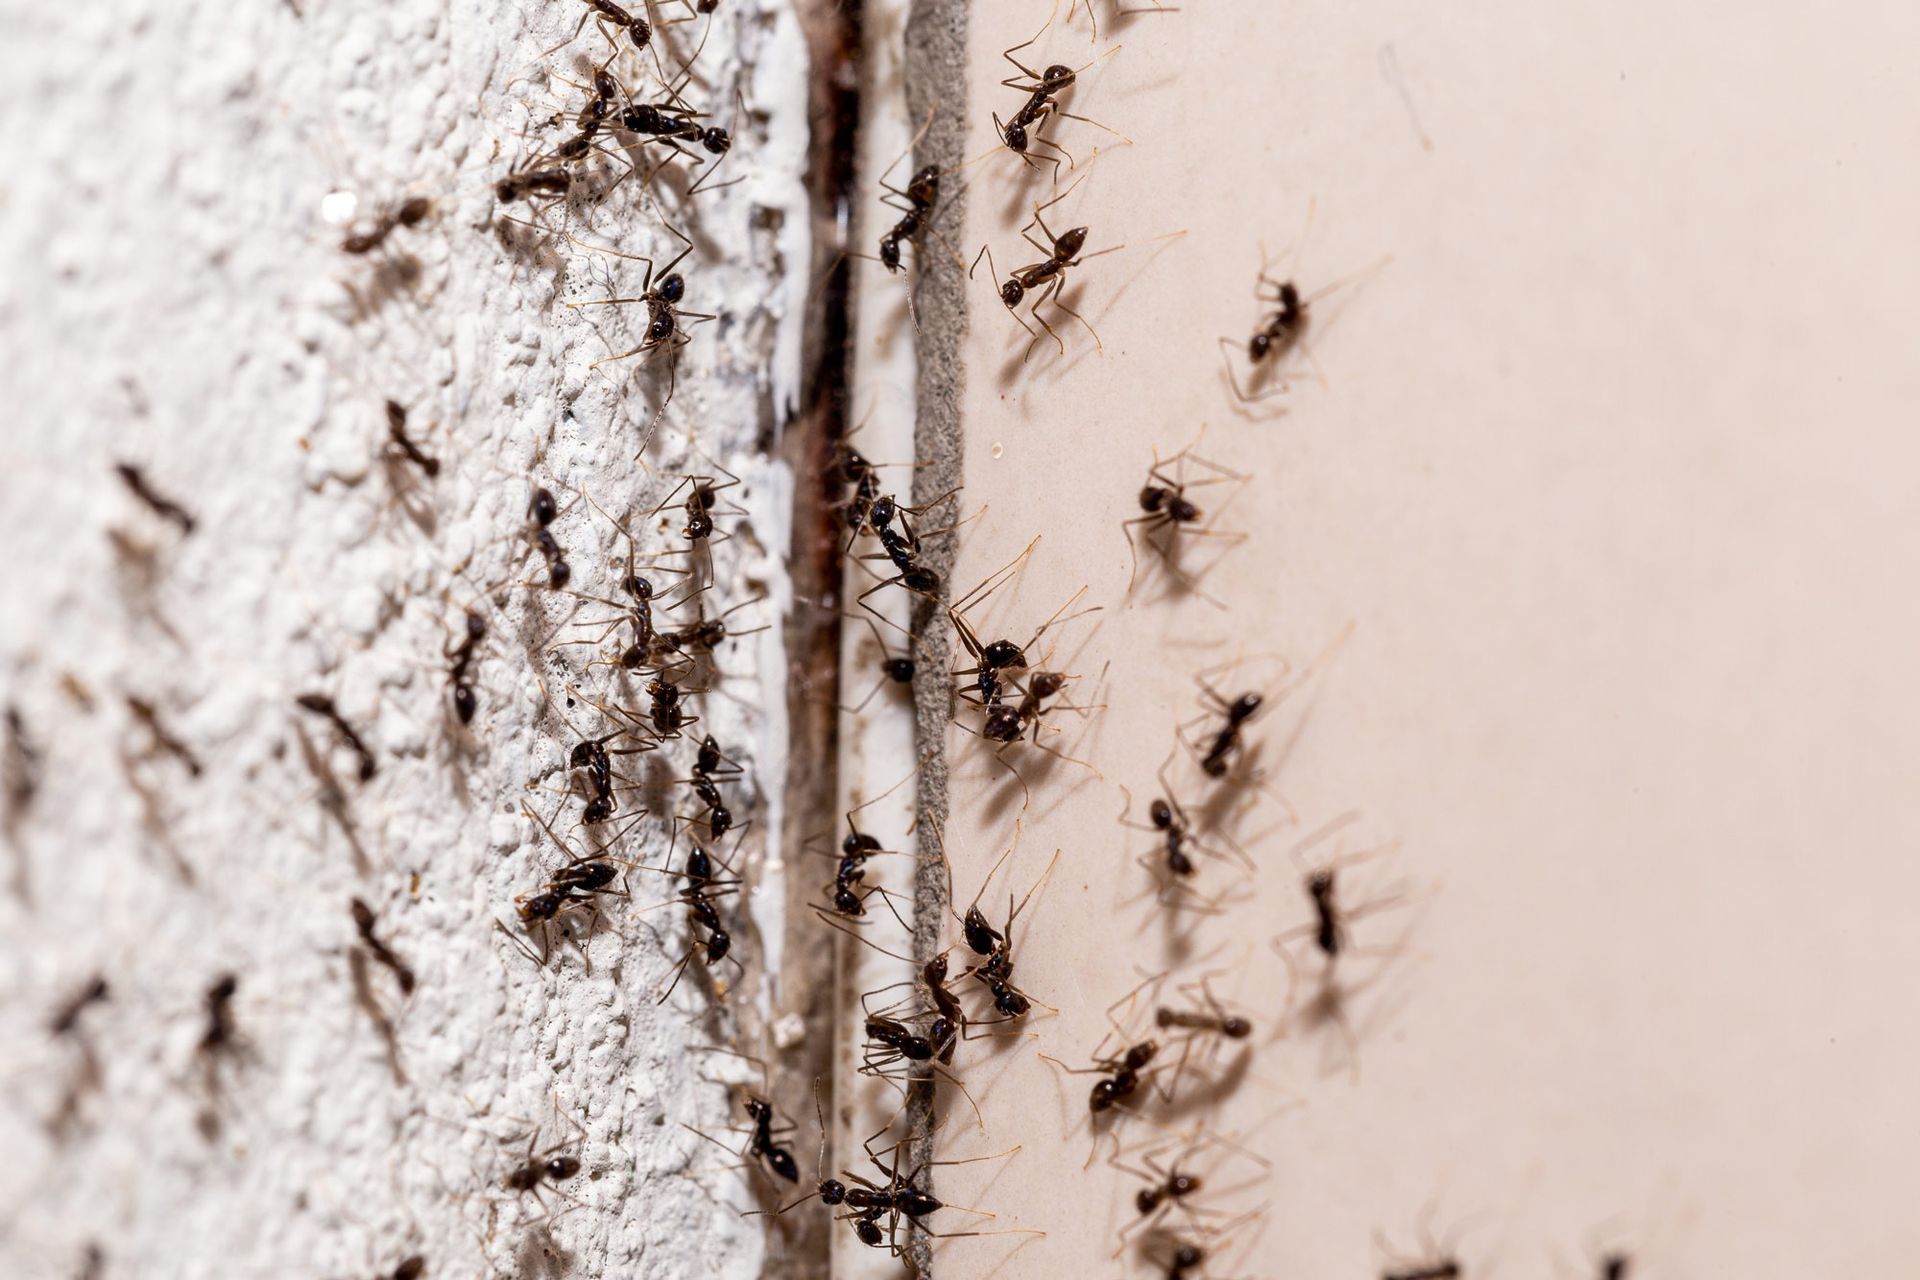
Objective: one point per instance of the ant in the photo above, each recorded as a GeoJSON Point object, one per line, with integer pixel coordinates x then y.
{"type": "Point", "coordinates": [662, 301]}
{"type": "Point", "coordinates": [1218, 758]}
{"type": "Point", "coordinates": [220, 1036]}
{"type": "Point", "coordinates": [1280, 331]}
{"type": "Point", "coordinates": [1213, 1020]}
{"type": "Point", "coordinates": [1122, 1073]}
{"type": "Point", "coordinates": [708, 765]}
{"type": "Point", "coordinates": [323, 706]}
{"type": "Point", "coordinates": [1168, 509]}
{"type": "Point", "coordinates": [1173, 1185]}
{"type": "Point", "coordinates": [363, 920]}
{"type": "Point", "coordinates": [408, 213]}
{"type": "Point", "coordinates": [542, 1168]}
{"type": "Point", "coordinates": [607, 14]}
{"type": "Point", "coordinates": [459, 662]}
{"type": "Point", "coordinates": [1173, 863]}
{"type": "Point", "coordinates": [411, 1268]}
{"type": "Point", "coordinates": [664, 698]}
{"type": "Point", "coordinates": [543, 510]}
{"type": "Point", "coordinates": [136, 480]}
{"type": "Point", "coordinates": [995, 663]}
{"type": "Point", "coordinates": [779, 1159]}
{"type": "Point", "coordinates": [901, 1198]}
{"type": "Point", "coordinates": [149, 715]}
{"type": "Point", "coordinates": [996, 945]}
{"type": "Point", "coordinates": [923, 190]}
{"type": "Point", "coordinates": [578, 882]}
{"type": "Point", "coordinates": [702, 914]}
{"type": "Point", "coordinates": [1331, 920]}
{"type": "Point", "coordinates": [553, 182]}
{"type": "Point", "coordinates": [699, 504]}
{"type": "Point", "coordinates": [68, 1016]}
{"type": "Point", "coordinates": [1043, 90]}
{"type": "Point", "coordinates": [399, 442]}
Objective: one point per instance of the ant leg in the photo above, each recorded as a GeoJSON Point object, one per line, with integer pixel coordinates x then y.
{"type": "Point", "coordinates": [1033, 39]}
{"type": "Point", "coordinates": [1051, 291]}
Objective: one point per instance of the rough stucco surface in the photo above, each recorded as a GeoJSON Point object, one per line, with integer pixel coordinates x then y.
{"type": "Point", "coordinates": [175, 299]}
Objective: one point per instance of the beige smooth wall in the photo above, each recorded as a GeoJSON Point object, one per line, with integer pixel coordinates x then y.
{"type": "Point", "coordinates": [1610, 469]}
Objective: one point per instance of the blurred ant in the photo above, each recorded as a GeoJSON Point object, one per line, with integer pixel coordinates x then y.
{"type": "Point", "coordinates": [895, 671]}
{"type": "Point", "coordinates": [408, 213]}
{"type": "Point", "coordinates": [220, 1036]}
{"type": "Point", "coordinates": [551, 182]}
{"type": "Point", "coordinates": [411, 1268]}
{"type": "Point", "coordinates": [323, 706]}
{"type": "Point", "coordinates": [1123, 1072]}
{"type": "Point", "coordinates": [1332, 921]}
{"type": "Point", "coordinates": [167, 509]}
{"type": "Point", "coordinates": [363, 922]}
{"type": "Point", "coordinates": [1281, 331]}
{"type": "Point", "coordinates": [1169, 511]}
{"type": "Point", "coordinates": [149, 715]}
{"type": "Point", "coordinates": [699, 503]}
{"type": "Point", "coordinates": [1211, 1021]}
{"type": "Point", "coordinates": [1173, 864]}
{"type": "Point", "coordinates": [542, 1168]}
{"type": "Point", "coordinates": [401, 444]}
{"type": "Point", "coordinates": [1172, 1186]}
{"type": "Point", "coordinates": [661, 293]}
{"type": "Point", "coordinates": [67, 1017]}
{"type": "Point", "coordinates": [1043, 89]}
{"type": "Point", "coordinates": [543, 510]}
{"type": "Point", "coordinates": [460, 661]}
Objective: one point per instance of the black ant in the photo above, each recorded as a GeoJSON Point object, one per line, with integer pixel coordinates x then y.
{"type": "Point", "coordinates": [1043, 90]}
{"type": "Point", "coordinates": [1218, 757]}
{"type": "Point", "coordinates": [411, 1268]}
{"type": "Point", "coordinates": [702, 914]}
{"type": "Point", "coordinates": [699, 504]}
{"type": "Point", "coordinates": [401, 443]}
{"type": "Point", "coordinates": [459, 662]}
{"type": "Point", "coordinates": [167, 509]}
{"type": "Point", "coordinates": [607, 14]}
{"type": "Point", "coordinates": [543, 510]}
{"type": "Point", "coordinates": [650, 648]}
{"type": "Point", "coordinates": [919, 197]}
{"type": "Point", "coordinates": [323, 706]}
{"type": "Point", "coordinates": [1172, 1186]}
{"type": "Point", "coordinates": [1122, 1073]}
{"type": "Point", "coordinates": [900, 1198]}
{"type": "Point", "coordinates": [408, 213]}
{"type": "Point", "coordinates": [662, 301]}
{"type": "Point", "coordinates": [1614, 1266]}
{"type": "Point", "coordinates": [1168, 509]}
{"type": "Point", "coordinates": [578, 882]}
{"type": "Point", "coordinates": [220, 1035]}
{"type": "Point", "coordinates": [1173, 864]}
{"type": "Point", "coordinates": [664, 707]}
{"type": "Point", "coordinates": [552, 181]}
{"type": "Point", "coordinates": [996, 663]}
{"type": "Point", "coordinates": [996, 945]}
{"type": "Point", "coordinates": [763, 1135]}
{"type": "Point", "coordinates": [363, 921]}
{"type": "Point", "coordinates": [709, 766]}
{"type": "Point", "coordinates": [1332, 920]}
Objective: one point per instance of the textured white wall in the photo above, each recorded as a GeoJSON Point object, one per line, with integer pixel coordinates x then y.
{"type": "Point", "coordinates": [176, 299]}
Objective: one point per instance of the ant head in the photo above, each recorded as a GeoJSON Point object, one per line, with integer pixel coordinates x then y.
{"type": "Point", "coordinates": [852, 464]}
{"type": "Point", "coordinates": [719, 821]}
{"type": "Point", "coordinates": [883, 511]}
{"type": "Point", "coordinates": [701, 525]}
{"type": "Point", "coordinates": [758, 1109]}
{"type": "Point", "coordinates": [1003, 724]}
{"type": "Point", "coordinates": [1070, 242]}
{"type": "Point", "coordinates": [717, 141]}
{"type": "Point", "coordinates": [412, 1269]}
{"type": "Point", "coordinates": [413, 212]}
{"type": "Point", "coordinates": [899, 670]}
{"type": "Point", "coordinates": [476, 626]}
{"type": "Point", "coordinates": [832, 1191]}
{"type": "Point", "coordinates": [1010, 1002]}
{"type": "Point", "coordinates": [1290, 304]}
{"type": "Point", "coordinates": [590, 754]}
{"type": "Point", "coordinates": [633, 658]}
{"type": "Point", "coordinates": [1057, 77]}
{"type": "Point", "coordinates": [847, 902]}
{"type": "Point", "coordinates": [1017, 138]}
{"type": "Point", "coordinates": [889, 254]}
{"type": "Point", "coordinates": [640, 33]}
{"type": "Point", "coordinates": [719, 942]}
{"type": "Point", "coordinates": [1104, 1095]}
{"type": "Point", "coordinates": [660, 328]}
{"type": "Point", "coordinates": [709, 757]}
{"type": "Point", "coordinates": [604, 85]}
{"type": "Point", "coordinates": [1243, 707]}
{"type": "Point", "coordinates": [858, 842]}
{"type": "Point", "coordinates": [672, 289]}
{"type": "Point", "coordinates": [1045, 684]}
{"type": "Point", "coordinates": [708, 6]}
{"type": "Point", "coordinates": [543, 508]}
{"type": "Point", "coordinates": [934, 972]}
{"type": "Point", "coordinates": [1181, 510]}
{"type": "Point", "coordinates": [916, 1203]}
{"type": "Point", "coordinates": [1160, 813]}
{"type": "Point", "coordinates": [1258, 346]}
{"type": "Point", "coordinates": [1614, 1266]}
{"type": "Point", "coordinates": [781, 1161]}
{"type": "Point", "coordinates": [465, 704]}
{"type": "Point", "coordinates": [1153, 497]}
{"type": "Point", "coordinates": [1011, 292]}
{"type": "Point", "coordinates": [925, 186]}
{"type": "Point", "coordinates": [1188, 1256]}
{"type": "Point", "coordinates": [638, 587]}
{"type": "Point", "coordinates": [1236, 1028]}
{"type": "Point", "coordinates": [562, 1167]}
{"type": "Point", "coordinates": [1141, 1054]}
{"type": "Point", "coordinates": [506, 191]}
{"type": "Point", "coordinates": [1001, 654]}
